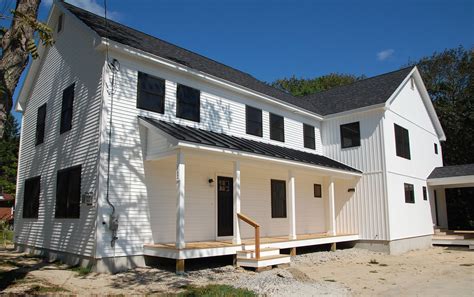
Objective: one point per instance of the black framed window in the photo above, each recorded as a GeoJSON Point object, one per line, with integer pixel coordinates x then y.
{"type": "Point", "coordinates": [308, 135]}
{"type": "Point", "coordinates": [40, 124]}
{"type": "Point", "coordinates": [317, 191]}
{"type": "Point", "coordinates": [253, 121]}
{"type": "Point", "coordinates": [409, 193]}
{"type": "Point", "coordinates": [150, 93]}
{"type": "Point", "coordinates": [402, 142]}
{"type": "Point", "coordinates": [277, 127]}
{"type": "Point", "coordinates": [278, 198]}
{"type": "Point", "coordinates": [436, 148]}
{"type": "Point", "coordinates": [66, 109]}
{"type": "Point", "coordinates": [350, 135]}
{"type": "Point", "coordinates": [68, 193]}
{"type": "Point", "coordinates": [425, 194]}
{"type": "Point", "coordinates": [188, 103]}
{"type": "Point", "coordinates": [31, 194]}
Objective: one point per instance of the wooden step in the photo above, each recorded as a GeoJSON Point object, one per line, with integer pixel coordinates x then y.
{"type": "Point", "coordinates": [449, 237]}
{"type": "Point", "coordinates": [248, 254]}
{"type": "Point", "coordinates": [264, 261]}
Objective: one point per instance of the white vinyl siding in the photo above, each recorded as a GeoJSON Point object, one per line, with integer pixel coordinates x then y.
{"type": "Point", "coordinates": [60, 67]}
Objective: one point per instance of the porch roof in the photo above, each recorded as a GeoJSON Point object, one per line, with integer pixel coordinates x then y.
{"type": "Point", "coordinates": [452, 175]}
{"type": "Point", "coordinates": [220, 140]}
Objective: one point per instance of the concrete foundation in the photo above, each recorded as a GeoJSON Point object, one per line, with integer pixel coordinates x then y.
{"type": "Point", "coordinates": [103, 265]}
{"type": "Point", "coordinates": [396, 247]}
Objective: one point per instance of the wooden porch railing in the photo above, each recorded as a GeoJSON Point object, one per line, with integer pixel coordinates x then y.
{"type": "Point", "coordinates": [257, 232]}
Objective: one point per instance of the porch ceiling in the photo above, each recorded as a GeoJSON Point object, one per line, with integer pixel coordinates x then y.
{"type": "Point", "coordinates": [223, 141]}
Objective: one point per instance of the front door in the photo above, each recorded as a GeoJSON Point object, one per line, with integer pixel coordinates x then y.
{"type": "Point", "coordinates": [225, 208]}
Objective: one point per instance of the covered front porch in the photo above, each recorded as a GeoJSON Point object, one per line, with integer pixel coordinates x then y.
{"type": "Point", "coordinates": [207, 201]}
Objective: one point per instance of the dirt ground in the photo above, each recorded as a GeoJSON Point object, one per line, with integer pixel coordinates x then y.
{"type": "Point", "coordinates": [439, 271]}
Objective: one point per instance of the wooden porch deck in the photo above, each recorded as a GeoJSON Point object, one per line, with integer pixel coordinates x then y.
{"type": "Point", "coordinates": [199, 249]}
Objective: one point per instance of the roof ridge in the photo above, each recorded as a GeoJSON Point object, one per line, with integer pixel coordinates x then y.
{"type": "Point", "coordinates": [182, 48]}
{"type": "Point", "coordinates": [359, 81]}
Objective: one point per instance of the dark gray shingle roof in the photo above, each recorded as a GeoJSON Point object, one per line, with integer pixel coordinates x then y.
{"type": "Point", "coordinates": [362, 93]}
{"type": "Point", "coordinates": [452, 171]}
{"type": "Point", "coordinates": [194, 135]}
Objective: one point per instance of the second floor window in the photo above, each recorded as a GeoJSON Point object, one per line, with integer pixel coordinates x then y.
{"type": "Point", "coordinates": [308, 135]}
{"type": "Point", "coordinates": [277, 127]}
{"type": "Point", "coordinates": [31, 194]}
{"type": "Point", "coordinates": [68, 193]}
{"type": "Point", "coordinates": [188, 103]}
{"type": "Point", "coordinates": [150, 93]}
{"type": "Point", "coordinates": [253, 121]}
{"type": "Point", "coordinates": [66, 109]}
{"type": "Point", "coordinates": [350, 135]}
{"type": "Point", "coordinates": [40, 124]}
{"type": "Point", "coordinates": [436, 148]}
{"type": "Point", "coordinates": [402, 142]}
{"type": "Point", "coordinates": [425, 194]}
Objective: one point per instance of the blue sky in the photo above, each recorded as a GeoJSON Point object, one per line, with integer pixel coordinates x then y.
{"type": "Point", "coordinates": [274, 39]}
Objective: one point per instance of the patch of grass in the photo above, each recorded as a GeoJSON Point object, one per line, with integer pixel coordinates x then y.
{"type": "Point", "coordinates": [37, 289]}
{"type": "Point", "coordinates": [216, 290]}
{"type": "Point", "coordinates": [81, 270]}
{"type": "Point", "coordinates": [373, 261]}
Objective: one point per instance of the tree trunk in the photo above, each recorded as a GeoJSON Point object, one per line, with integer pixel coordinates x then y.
{"type": "Point", "coordinates": [15, 55]}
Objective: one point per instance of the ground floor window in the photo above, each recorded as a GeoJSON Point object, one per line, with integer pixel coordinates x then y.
{"type": "Point", "coordinates": [278, 198]}
{"type": "Point", "coordinates": [409, 193]}
{"type": "Point", "coordinates": [317, 191]}
{"type": "Point", "coordinates": [68, 193]}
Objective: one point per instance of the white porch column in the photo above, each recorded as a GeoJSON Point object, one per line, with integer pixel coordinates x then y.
{"type": "Point", "coordinates": [291, 205]}
{"type": "Point", "coordinates": [236, 239]}
{"type": "Point", "coordinates": [332, 208]}
{"type": "Point", "coordinates": [180, 183]}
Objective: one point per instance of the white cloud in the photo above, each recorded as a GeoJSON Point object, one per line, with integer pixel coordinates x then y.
{"type": "Point", "coordinates": [385, 54]}
{"type": "Point", "coordinates": [89, 5]}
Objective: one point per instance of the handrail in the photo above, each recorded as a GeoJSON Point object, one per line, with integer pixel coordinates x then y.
{"type": "Point", "coordinates": [254, 224]}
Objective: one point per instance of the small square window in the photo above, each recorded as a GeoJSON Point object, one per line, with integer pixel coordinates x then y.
{"type": "Point", "coordinates": [317, 191]}
{"type": "Point", "coordinates": [350, 135]}
{"type": "Point", "coordinates": [409, 193]}
{"type": "Point", "coordinates": [425, 194]}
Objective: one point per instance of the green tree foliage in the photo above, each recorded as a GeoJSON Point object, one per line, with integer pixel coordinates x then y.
{"type": "Point", "coordinates": [304, 86]}
{"type": "Point", "coordinates": [9, 155]}
{"type": "Point", "coordinates": [448, 77]}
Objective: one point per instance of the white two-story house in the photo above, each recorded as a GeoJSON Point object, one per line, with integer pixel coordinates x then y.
{"type": "Point", "coordinates": [132, 147]}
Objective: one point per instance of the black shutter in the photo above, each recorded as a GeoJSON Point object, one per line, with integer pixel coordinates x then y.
{"type": "Point", "coordinates": [66, 109]}
{"type": "Point", "coordinates": [253, 117]}
{"type": "Point", "coordinates": [31, 196]}
{"type": "Point", "coordinates": [188, 103]}
{"type": "Point", "coordinates": [277, 127]}
{"type": "Point", "coordinates": [151, 93]}
{"type": "Point", "coordinates": [40, 124]}
{"type": "Point", "coordinates": [278, 193]}
{"type": "Point", "coordinates": [68, 193]}
{"type": "Point", "coordinates": [309, 138]}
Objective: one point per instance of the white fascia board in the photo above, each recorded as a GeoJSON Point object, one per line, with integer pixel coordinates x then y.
{"type": "Point", "coordinates": [426, 100]}
{"type": "Point", "coordinates": [327, 170]}
{"type": "Point", "coordinates": [142, 55]}
{"type": "Point", "coordinates": [380, 107]}
{"type": "Point", "coordinates": [454, 180]}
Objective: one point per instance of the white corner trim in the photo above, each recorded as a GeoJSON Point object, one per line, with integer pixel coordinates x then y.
{"type": "Point", "coordinates": [139, 54]}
